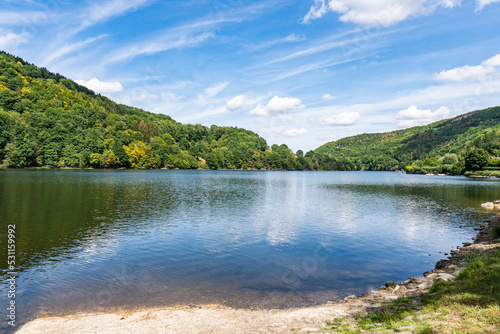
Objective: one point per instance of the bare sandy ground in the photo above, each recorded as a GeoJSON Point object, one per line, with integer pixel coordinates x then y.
{"type": "Point", "coordinates": [202, 319]}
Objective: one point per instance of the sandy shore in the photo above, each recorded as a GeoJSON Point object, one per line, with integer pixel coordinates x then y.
{"type": "Point", "coordinates": [221, 319]}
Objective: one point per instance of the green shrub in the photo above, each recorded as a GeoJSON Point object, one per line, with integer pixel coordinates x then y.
{"type": "Point", "coordinates": [495, 233]}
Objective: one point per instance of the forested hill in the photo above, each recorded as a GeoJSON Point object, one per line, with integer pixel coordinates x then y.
{"type": "Point", "coordinates": [47, 120]}
{"type": "Point", "coordinates": [422, 146]}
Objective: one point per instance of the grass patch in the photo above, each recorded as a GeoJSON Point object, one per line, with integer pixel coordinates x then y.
{"type": "Point", "coordinates": [470, 304]}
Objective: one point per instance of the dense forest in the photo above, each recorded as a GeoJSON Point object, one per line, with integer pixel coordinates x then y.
{"type": "Point", "coordinates": [447, 146]}
{"type": "Point", "coordinates": [49, 121]}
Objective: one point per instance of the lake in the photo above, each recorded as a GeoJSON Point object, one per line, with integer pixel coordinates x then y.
{"type": "Point", "coordinates": [99, 240]}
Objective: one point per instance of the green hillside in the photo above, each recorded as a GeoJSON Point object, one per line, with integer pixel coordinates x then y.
{"type": "Point", "coordinates": [421, 146]}
{"type": "Point", "coordinates": [49, 121]}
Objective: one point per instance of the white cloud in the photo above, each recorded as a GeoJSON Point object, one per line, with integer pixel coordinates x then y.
{"type": "Point", "coordinates": [383, 12]}
{"type": "Point", "coordinates": [295, 132]}
{"type": "Point", "coordinates": [70, 48]}
{"type": "Point", "coordinates": [100, 86]}
{"type": "Point", "coordinates": [413, 116]}
{"type": "Point", "coordinates": [292, 38]}
{"type": "Point", "coordinates": [328, 97]}
{"type": "Point", "coordinates": [172, 97]}
{"type": "Point", "coordinates": [164, 43]}
{"type": "Point", "coordinates": [277, 105]}
{"type": "Point", "coordinates": [236, 103]}
{"type": "Point", "coordinates": [214, 90]}
{"type": "Point", "coordinates": [464, 73]}
{"type": "Point", "coordinates": [493, 61]}
{"type": "Point", "coordinates": [342, 119]}
{"type": "Point", "coordinates": [18, 18]}
{"type": "Point", "coordinates": [100, 11]}
{"type": "Point", "coordinates": [9, 39]}
{"type": "Point", "coordinates": [482, 3]}
{"type": "Point", "coordinates": [318, 10]}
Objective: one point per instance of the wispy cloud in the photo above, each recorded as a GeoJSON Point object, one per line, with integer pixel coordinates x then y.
{"type": "Point", "coordinates": [99, 12]}
{"type": "Point", "coordinates": [26, 18]}
{"type": "Point", "coordinates": [184, 36]}
{"type": "Point", "coordinates": [69, 48]}
{"type": "Point", "coordinates": [482, 3]}
{"type": "Point", "coordinates": [286, 73]}
{"type": "Point", "coordinates": [292, 38]}
{"type": "Point", "coordinates": [216, 89]}
{"type": "Point", "coordinates": [342, 119]}
{"type": "Point", "coordinates": [295, 132]}
{"type": "Point", "coordinates": [164, 43]}
{"type": "Point", "coordinates": [10, 39]}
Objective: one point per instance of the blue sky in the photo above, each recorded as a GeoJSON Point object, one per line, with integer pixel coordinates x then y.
{"type": "Point", "coordinates": [297, 72]}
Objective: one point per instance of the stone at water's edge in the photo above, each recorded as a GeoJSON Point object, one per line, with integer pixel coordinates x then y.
{"type": "Point", "coordinates": [446, 269]}
{"type": "Point", "coordinates": [491, 205]}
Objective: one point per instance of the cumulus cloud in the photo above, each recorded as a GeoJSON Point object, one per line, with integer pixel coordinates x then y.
{"type": "Point", "coordinates": [465, 73]}
{"type": "Point", "coordinates": [100, 86]}
{"type": "Point", "coordinates": [277, 105]}
{"type": "Point", "coordinates": [482, 3]}
{"type": "Point", "coordinates": [343, 119]}
{"type": "Point", "coordinates": [328, 97]}
{"type": "Point", "coordinates": [383, 12]}
{"type": "Point", "coordinates": [493, 61]}
{"type": "Point", "coordinates": [9, 39]}
{"type": "Point", "coordinates": [236, 103]}
{"type": "Point", "coordinates": [295, 132]}
{"type": "Point", "coordinates": [413, 116]}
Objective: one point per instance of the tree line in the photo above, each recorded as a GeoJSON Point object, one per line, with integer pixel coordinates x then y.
{"type": "Point", "coordinates": [47, 120]}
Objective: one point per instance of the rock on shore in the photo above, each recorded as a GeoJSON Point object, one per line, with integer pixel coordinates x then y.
{"type": "Point", "coordinates": [491, 205]}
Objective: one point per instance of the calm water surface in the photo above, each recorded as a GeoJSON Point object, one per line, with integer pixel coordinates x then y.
{"type": "Point", "coordinates": [98, 240]}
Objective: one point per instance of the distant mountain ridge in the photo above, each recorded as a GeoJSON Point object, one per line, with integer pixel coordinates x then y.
{"type": "Point", "coordinates": [405, 147]}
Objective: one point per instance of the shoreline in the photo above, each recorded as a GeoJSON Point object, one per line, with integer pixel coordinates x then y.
{"type": "Point", "coordinates": [223, 319]}
{"type": "Point", "coordinates": [478, 175]}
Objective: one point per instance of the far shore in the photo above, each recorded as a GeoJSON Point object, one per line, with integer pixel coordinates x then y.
{"type": "Point", "coordinates": [480, 174]}
{"type": "Point", "coordinates": [222, 319]}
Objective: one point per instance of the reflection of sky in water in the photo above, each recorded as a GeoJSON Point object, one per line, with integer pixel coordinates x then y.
{"type": "Point", "coordinates": [129, 238]}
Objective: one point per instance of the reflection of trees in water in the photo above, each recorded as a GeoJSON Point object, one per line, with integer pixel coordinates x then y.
{"type": "Point", "coordinates": [56, 211]}
{"type": "Point", "coordinates": [464, 195]}
{"type": "Point", "coordinates": [60, 212]}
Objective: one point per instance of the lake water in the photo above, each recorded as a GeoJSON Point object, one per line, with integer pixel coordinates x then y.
{"type": "Point", "coordinates": [99, 240]}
